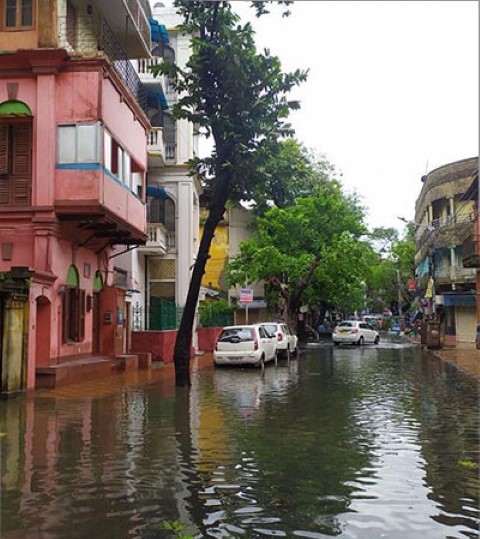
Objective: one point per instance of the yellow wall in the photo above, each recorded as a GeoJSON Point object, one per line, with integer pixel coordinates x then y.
{"type": "Point", "coordinates": [213, 276]}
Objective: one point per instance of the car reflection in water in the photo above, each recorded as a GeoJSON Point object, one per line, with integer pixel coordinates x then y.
{"type": "Point", "coordinates": [246, 387]}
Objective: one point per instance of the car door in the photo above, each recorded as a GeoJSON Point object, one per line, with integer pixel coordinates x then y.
{"type": "Point", "coordinates": [268, 343]}
{"type": "Point", "coordinates": [365, 332]}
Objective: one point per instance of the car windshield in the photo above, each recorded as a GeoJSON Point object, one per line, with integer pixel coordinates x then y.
{"type": "Point", "coordinates": [242, 334]}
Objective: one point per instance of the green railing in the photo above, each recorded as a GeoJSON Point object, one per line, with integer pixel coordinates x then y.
{"type": "Point", "coordinates": [163, 314]}
{"type": "Point", "coordinates": [216, 314]}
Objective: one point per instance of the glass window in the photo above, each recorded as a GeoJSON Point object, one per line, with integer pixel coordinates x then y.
{"type": "Point", "coordinates": [11, 14]}
{"type": "Point", "coordinates": [87, 144]}
{"type": "Point", "coordinates": [107, 150]}
{"type": "Point", "coordinates": [27, 13]}
{"type": "Point", "coordinates": [18, 14]}
{"type": "Point", "coordinates": [78, 143]}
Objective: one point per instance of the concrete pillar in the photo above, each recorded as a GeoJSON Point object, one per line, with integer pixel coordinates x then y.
{"type": "Point", "coordinates": [13, 350]}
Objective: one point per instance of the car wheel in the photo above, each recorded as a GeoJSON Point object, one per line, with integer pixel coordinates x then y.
{"type": "Point", "coordinates": [287, 353]}
{"type": "Point", "coordinates": [262, 361]}
{"type": "Point", "coordinates": [377, 339]}
{"type": "Point", "coordinates": [360, 341]}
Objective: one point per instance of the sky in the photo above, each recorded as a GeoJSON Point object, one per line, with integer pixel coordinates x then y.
{"type": "Point", "coordinates": [392, 91]}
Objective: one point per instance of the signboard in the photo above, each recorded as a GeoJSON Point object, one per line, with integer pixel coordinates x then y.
{"type": "Point", "coordinates": [411, 284]}
{"type": "Point", "coordinates": [246, 295]}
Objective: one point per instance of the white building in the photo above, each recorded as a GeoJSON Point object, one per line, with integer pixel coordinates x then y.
{"type": "Point", "coordinates": [158, 273]}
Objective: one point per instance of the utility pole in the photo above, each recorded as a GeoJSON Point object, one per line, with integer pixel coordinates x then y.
{"type": "Point", "coordinates": [399, 292]}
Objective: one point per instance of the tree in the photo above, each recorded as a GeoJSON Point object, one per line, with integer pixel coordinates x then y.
{"type": "Point", "coordinates": [239, 97]}
{"type": "Point", "coordinates": [291, 243]}
{"type": "Point", "coordinates": [288, 172]}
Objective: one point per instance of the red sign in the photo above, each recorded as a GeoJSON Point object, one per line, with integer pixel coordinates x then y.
{"type": "Point", "coordinates": [246, 295]}
{"type": "Point", "coordinates": [411, 284]}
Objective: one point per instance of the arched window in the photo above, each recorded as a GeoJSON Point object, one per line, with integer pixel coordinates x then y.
{"type": "Point", "coordinates": [15, 154]}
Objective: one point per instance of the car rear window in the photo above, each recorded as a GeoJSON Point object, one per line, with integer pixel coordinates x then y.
{"type": "Point", "coordinates": [271, 328]}
{"type": "Point", "coordinates": [346, 324]}
{"type": "Point", "coordinates": [243, 334]}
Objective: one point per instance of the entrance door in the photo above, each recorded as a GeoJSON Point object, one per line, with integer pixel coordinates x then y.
{"type": "Point", "coordinates": [43, 332]}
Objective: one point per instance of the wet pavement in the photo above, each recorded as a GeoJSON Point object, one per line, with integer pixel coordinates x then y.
{"type": "Point", "coordinates": [355, 442]}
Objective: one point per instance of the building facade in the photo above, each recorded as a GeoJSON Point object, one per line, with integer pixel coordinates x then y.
{"type": "Point", "coordinates": [162, 267]}
{"type": "Point", "coordinates": [73, 163]}
{"type": "Point", "coordinates": [446, 219]}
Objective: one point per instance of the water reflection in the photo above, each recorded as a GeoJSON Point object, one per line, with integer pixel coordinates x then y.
{"type": "Point", "coordinates": [346, 442]}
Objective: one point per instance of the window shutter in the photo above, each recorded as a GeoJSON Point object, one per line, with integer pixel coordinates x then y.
{"type": "Point", "coordinates": [22, 161]}
{"type": "Point", "coordinates": [3, 149]}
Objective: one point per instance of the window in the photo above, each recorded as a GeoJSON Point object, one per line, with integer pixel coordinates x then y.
{"type": "Point", "coordinates": [15, 163]}
{"type": "Point", "coordinates": [18, 14]}
{"type": "Point", "coordinates": [117, 160]}
{"type": "Point", "coordinates": [79, 143]}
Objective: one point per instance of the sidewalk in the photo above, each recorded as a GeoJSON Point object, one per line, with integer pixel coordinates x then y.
{"type": "Point", "coordinates": [465, 356]}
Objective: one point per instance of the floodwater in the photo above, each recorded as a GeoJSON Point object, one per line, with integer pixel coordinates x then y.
{"type": "Point", "coordinates": [365, 443]}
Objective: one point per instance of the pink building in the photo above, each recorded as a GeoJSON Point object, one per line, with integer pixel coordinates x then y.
{"type": "Point", "coordinates": [72, 178]}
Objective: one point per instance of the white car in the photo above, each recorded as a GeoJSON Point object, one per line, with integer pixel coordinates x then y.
{"type": "Point", "coordinates": [286, 340]}
{"type": "Point", "coordinates": [354, 332]}
{"type": "Point", "coordinates": [244, 345]}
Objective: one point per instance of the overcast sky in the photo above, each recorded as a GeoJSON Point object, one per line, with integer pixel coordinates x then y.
{"type": "Point", "coordinates": [393, 90]}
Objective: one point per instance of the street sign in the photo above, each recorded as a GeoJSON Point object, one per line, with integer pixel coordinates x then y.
{"type": "Point", "coordinates": [246, 295]}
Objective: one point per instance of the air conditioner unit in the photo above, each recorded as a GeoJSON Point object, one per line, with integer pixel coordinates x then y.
{"type": "Point", "coordinates": [439, 300]}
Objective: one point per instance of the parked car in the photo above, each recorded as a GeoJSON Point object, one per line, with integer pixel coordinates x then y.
{"type": "Point", "coordinates": [286, 341]}
{"type": "Point", "coordinates": [477, 338]}
{"type": "Point", "coordinates": [354, 332]}
{"type": "Point", "coordinates": [244, 345]}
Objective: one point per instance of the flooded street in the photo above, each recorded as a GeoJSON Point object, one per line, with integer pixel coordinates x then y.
{"type": "Point", "coordinates": [352, 442]}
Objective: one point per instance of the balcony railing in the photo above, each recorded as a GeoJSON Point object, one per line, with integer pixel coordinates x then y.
{"type": "Point", "coordinates": [454, 274]}
{"type": "Point", "coordinates": [137, 10]}
{"type": "Point", "coordinates": [155, 140]}
{"type": "Point", "coordinates": [170, 152]}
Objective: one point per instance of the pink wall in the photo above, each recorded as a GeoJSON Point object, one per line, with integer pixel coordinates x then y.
{"type": "Point", "coordinates": [120, 121]}
{"type": "Point", "coordinates": [159, 343]}
{"type": "Point", "coordinates": [207, 337]}
{"type": "Point", "coordinates": [78, 98]}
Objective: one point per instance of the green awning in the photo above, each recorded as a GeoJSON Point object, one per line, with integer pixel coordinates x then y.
{"type": "Point", "coordinates": [14, 108]}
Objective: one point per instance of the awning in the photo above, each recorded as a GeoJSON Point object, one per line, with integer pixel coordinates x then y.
{"type": "Point", "coordinates": [459, 300]}
{"type": "Point", "coordinates": [159, 32]}
{"type": "Point", "coordinates": [157, 100]}
{"type": "Point", "coordinates": [156, 192]}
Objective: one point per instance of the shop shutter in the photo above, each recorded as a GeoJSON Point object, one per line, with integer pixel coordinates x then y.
{"type": "Point", "coordinates": [22, 161]}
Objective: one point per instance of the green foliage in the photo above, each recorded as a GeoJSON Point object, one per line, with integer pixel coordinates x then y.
{"type": "Point", "coordinates": [305, 243]}
{"type": "Point", "coordinates": [216, 313]}
{"type": "Point", "coordinates": [468, 464]}
{"type": "Point", "coordinates": [231, 92]}
{"type": "Point", "coordinates": [177, 528]}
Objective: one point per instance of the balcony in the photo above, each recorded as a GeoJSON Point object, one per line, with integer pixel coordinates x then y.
{"type": "Point", "coordinates": [94, 34]}
{"type": "Point", "coordinates": [128, 20]}
{"type": "Point", "coordinates": [97, 209]}
{"type": "Point", "coordinates": [157, 239]}
{"type": "Point", "coordinates": [455, 274]}
{"type": "Point", "coordinates": [155, 147]}
{"type": "Point", "coordinates": [471, 252]}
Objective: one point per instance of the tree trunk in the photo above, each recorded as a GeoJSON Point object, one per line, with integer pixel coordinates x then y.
{"type": "Point", "coordinates": [181, 354]}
